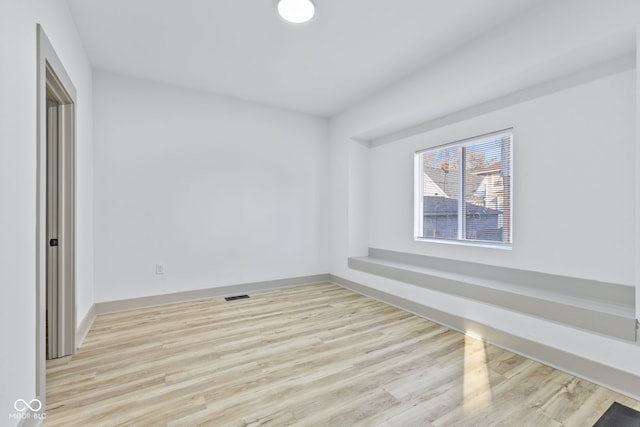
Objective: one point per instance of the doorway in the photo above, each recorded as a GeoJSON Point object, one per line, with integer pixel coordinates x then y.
{"type": "Point", "coordinates": [60, 257]}
{"type": "Point", "coordinates": [55, 211]}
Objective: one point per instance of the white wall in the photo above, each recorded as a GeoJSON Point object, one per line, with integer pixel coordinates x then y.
{"type": "Point", "coordinates": [573, 177]}
{"type": "Point", "coordinates": [572, 213]}
{"type": "Point", "coordinates": [18, 184]}
{"type": "Point", "coordinates": [218, 191]}
{"type": "Point", "coordinates": [565, 89]}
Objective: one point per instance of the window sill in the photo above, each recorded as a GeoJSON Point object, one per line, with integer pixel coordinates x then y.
{"type": "Point", "coordinates": [472, 243]}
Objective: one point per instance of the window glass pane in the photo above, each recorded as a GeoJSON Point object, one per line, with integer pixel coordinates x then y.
{"type": "Point", "coordinates": [465, 190]}
{"type": "Point", "coordinates": [487, 178]}
{"type": "Point", "coordinates": [440, 192]}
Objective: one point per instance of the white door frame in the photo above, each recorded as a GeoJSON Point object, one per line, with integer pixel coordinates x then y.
{"type": "Point", "coordinates": [49, 65]}
{"type": "Point", "coordinates": [60, 219]}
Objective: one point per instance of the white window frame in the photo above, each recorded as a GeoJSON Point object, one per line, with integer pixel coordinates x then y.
{"type": "Point", "coordinates": [419, 191]}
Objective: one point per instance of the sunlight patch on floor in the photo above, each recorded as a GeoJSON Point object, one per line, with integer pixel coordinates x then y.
{"type": "Point", "coordinates": [476, 386]}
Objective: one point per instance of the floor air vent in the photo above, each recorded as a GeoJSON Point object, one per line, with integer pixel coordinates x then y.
{"type": "Point", "coordinates": [236, 297]}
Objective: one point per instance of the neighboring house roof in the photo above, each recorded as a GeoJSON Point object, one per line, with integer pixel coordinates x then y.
{"type": "Point", "coordinates": [430, 188]}
{"type": "Point", "coordinates": [448, 183]}
{"type": "Point", "coordinates": [433, 206]}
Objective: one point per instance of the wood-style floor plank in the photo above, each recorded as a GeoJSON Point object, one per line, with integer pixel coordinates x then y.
{"type": "Point", "coordinates": [315, 355]}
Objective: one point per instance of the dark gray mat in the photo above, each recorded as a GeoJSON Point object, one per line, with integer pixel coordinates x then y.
{"type": "Point", "coordinates": [619, 415]}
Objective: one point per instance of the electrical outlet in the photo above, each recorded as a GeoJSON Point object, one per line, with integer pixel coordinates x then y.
{"type": "Point", "coordinates": [159, 269]}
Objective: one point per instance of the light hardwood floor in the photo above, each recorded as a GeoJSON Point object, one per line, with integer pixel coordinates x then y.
{"type": "Point", "coordinates": [315, 355]}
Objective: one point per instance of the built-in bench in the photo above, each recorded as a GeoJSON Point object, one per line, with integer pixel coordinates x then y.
{"type": "Point", "coordinates": [605, 308]}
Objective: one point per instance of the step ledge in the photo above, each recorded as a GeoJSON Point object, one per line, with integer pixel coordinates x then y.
{"type": "Point", "coordinates": [614, 317]}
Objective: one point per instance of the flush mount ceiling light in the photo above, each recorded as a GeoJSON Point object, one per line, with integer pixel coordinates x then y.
{"type": "Point", "coordinates": [296, 11]}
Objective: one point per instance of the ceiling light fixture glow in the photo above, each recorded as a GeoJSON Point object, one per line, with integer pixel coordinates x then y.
{"type": "Point", "coordinates": [296, 11]}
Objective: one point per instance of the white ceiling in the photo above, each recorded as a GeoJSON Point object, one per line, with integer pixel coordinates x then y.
{"type": "Point", "coordinates": [241, 48]}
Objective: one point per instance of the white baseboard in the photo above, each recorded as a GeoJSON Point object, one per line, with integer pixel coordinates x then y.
{"type": "Point", "coordinates": [85, 325]}
{"type": "Point", "coordinates": [243, 288]}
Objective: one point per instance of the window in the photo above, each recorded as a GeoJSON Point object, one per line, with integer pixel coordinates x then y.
{"type": "Point", "coordinates": [463, 190]}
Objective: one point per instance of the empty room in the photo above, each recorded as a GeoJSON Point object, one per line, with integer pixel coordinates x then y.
{"type": "Point", "coordinates": [320, 213]}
